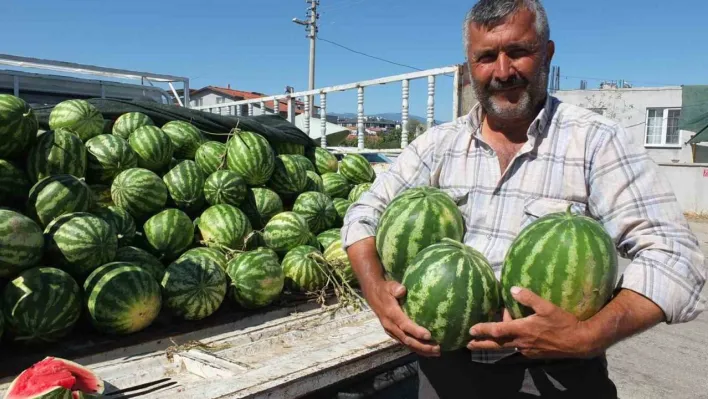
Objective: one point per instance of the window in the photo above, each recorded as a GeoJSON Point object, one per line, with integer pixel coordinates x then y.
{"type": "Point", "coordinates": [662, 127]}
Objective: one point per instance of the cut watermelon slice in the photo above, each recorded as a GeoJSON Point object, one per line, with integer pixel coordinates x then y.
{"type": "Point", "coordinates": [55, 378]}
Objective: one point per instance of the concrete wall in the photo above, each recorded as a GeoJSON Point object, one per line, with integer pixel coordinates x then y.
{"type": "Point", "coordinates": [690, 184]}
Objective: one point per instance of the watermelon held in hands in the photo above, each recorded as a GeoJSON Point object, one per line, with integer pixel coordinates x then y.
{"type": "Point", "coordinates": [565, 258]}
{"type": "Point", "coordinates": [449, 288]}
{"type": "Point", "coordinates": [54, 377]}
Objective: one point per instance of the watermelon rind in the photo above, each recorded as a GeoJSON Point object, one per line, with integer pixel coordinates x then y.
{"type": "Point", "coordinates": [14, 185]}
{"type": "Point", "coordinates": [225, 187]}
{"type": "Point", "coordinates": [58, 195]}
{"type": "Point", "coordinates": [260, 205]}
{"type": "Point", "coordinates": [305, 269]}
{"type": "Point", "coordinates": [357, 169]}
{"type": "Point", "coordinates": [153, 148]}
{"type": "Point", "coordinates": [339, 261]}
{"type": "Point", "coordinates": [224, 227]}
{"type": "Point", "coordinates": [139, 191]}
{"type": "Point", "coordinates": [211, 156]}
{"type": "Point", "coordinates": [328, 237]}
{"type": "Point", "coordinates": [194, 286]}
{"type": "Point", "coordinates": [57, 152]}
{"type": "Point", "coordinates": [213, 254]}
{"type": "Point", "coordinates": [324, 161]}
{"type": "Point", "coordinates": [336, 185]}
{"type": "Point", "coordinates": [120, 220]}
{"type": "Point", "coordinates": [314, 182]}
{"type": "Point", "coordinates": [358, 190]}
{"type": "Point", "coordinates": [289, 148]}
{"type": "Point", "coordinates": [169, 233]}
{"type": "Point", "coordinates": [18, 126]}
{"type": "Point", "coordinates": [54, 377]}
{"type": "Point", "coordinates": [108, 155]}
{"type": "Point", "coordinates": [250, 155]}
{"type": "Point", "coordinates": [126, 124]}
{"type": "Point", "coordinates": [79, 116]}
{"type": "Point", "coordinates": [342, 206]}
{"type": "Point", "coordinates": [304, 161]}
{"type": "Point", "coordinates": [257, 278]}
{"type": "Point", "coordinates": [185, 183]}
{"type": "Point", "coordinates": [21, 243]}
{"type": "Point", "coordinates": [286, 231]}
{"type": "Point", "coordinates": [289, 177]}
{"type": "Point", "coordinates": [317, 209]}
{"type": "Point", "coordinates": [143, 259]}
{"type": "Point", "coordinates": [185, 137]}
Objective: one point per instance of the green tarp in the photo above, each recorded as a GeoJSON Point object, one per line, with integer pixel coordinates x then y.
{"type": "Point", "coordinates": [694, 112]}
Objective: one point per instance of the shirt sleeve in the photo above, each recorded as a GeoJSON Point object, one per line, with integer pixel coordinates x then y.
{"type": "Point", "coordinates": [637, 206]}
{"type": "Point", "coordinates": [410, 169]}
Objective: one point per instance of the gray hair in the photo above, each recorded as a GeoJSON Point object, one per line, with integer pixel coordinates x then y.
{"type": "Point", "coordinates": [491, 12]}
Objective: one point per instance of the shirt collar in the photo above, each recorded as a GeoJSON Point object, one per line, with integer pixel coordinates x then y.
{"type": "Point", "coordinates": [537, 127]}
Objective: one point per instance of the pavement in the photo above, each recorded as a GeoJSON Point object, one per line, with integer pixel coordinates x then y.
{"type": "Point", "coordinates": [668, 361]}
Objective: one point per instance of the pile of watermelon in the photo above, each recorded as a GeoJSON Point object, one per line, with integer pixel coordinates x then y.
{"type": "Point", "coordinates": [117, 221]}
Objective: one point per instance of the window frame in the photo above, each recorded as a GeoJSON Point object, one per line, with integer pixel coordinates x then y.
{"type": "Point", "coordinates": [664, 128]}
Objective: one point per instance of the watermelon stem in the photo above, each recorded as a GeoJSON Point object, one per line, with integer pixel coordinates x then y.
{"type": "Point", "coordinates": [344, 292]}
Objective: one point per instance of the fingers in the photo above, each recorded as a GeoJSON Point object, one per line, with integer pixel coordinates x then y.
{"type": "Point", "coordinates": [396, 289]}
{"type": "Point", "coordinates": [492, 330]}
{"type": "Point", "coordinates": [417, 346]}
{"type": "Point", "coordinates": [490, 345]}
{"type": "Point", "coordinates": [507, 315]}
{"type": "Point", "coordinates": [526, 297]}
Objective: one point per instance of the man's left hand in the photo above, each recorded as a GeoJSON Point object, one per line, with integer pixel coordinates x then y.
{"type": "Point", "coordinates": [549, 333]}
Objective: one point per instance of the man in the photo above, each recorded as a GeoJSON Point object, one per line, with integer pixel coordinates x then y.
{"type": "Point", "coordinates": [518, 155]}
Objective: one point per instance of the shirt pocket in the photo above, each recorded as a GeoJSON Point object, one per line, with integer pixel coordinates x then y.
{"type": "Point", "coordinates": [535, 208]}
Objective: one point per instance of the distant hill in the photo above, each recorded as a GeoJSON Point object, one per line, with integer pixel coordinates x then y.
{"type": "Point", "coordinates": [387, 115]}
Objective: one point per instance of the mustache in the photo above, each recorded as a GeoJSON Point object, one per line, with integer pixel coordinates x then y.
{"type": "Point", "coordinates": [511, 83]}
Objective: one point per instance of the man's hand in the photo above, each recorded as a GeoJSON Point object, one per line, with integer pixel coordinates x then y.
{"type": "Point", "coordinates": [549, 333]}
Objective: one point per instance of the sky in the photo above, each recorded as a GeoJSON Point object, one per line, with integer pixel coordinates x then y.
{"type": "Point", "coordinates": [253, 45]}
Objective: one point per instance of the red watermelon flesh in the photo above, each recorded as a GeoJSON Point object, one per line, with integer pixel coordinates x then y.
{"type": "Point", "coordinates": [52, 374]}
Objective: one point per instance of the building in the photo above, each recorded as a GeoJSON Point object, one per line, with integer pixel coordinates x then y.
{"type": "Point", "coordinates": [371, 123]}
{"type": "Point", "coordinates": [214, 95]}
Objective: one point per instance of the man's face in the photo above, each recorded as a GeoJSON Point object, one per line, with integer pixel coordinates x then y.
{"type": "Point", "coordinates": [509, 66]}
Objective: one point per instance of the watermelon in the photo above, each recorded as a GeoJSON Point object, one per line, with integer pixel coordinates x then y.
{"type": "Point", "coordinates": [250, 155]}
{"type": "Point", "coordinates": [169, 233]}
{"type": "Point", "coordinates": [415, 219]}
{"type": "Point", "coordinates": [126, 124]}
{"type": "Point", "coordinates": [121, 221]}
{"type": "Point", "coordinates": [317, 209]}
{"type": "Point", "coordinates": [153, 148]}
{"type": "Point", "coordinates": [224, 187]}
{"type": "Point", "coordinates": [21, 243]}
{"type": "Point", "coordinates": [305, 268]}
{"type": "Point", "coordinates": [324, 161]}
{"type": "Point", "coordinates": [194, 286]}
{"type": "Point", "coordinates": [357, 169]}
{"type": "Point", "coordinates": [224, 226]}
{"type": "Point", "coordinates": [211, 156]}
{"type": "Point", "coordinates": [80, 242]}
{"type": "Point", "coordinates": [286, 231]}
{"type": "Point", "coordinates": [185, 183]}
{"type": "Point", "coordinates": [18, 126]}
{"type": "Point", "coordinates": [328, 237]}
{"type": "Point", "coordinates": [335, 185]}
{"type": "Point", "coordinates": [568, 259]}
{"type": "Point", "coordinates": [314, 182]}
{"type": "Point", "coordinates": [108, 155]}
{"type": "Point", "coordinates": [289, 177]}
{"type": "Point", "coordinates": [185, 137]}
{"type": "Point", "coordinates": [358, 190]}
{"type": "Point", "coordinates": [257, 279]}
{"type": "Point", "coordinates": [14, 185]}
{"type": "Point", "coordinates": [56, 152]}
{"type": "Point", "coordinates": [54, 377]}
{"type": "Point", "coordinates": [101, 195]}
{"type": "Point", "coordinates": [304, 161]}
{"type": "Point", "coordinates": [79, 116]}
{"type": "Point", "coordinates": [342, 206]}
{"type": "Point", "coordinates": [213, 254]}
{"type": "Point", "coordinates": [260, 205]}
{"type": "Point", "coordinates": [139, 191]}
{"type": "Point", "coordinates": [41, 305]}
{"type": "Point", "coordinates": [58, 195]}
{"type": "Point", "coordinates": [289, 148]}
{"type": "Point", "coordinates": [121, 298]}
{"type": "Point", "coordinates": [449, 288]}
{"type": "Point", "coordinates": [143, 259]}
{"type": "Point", "coordinates": [338, 259]}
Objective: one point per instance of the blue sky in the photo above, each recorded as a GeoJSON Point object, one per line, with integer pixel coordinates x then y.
{"type": "Point", "coordinates": [253, 45]}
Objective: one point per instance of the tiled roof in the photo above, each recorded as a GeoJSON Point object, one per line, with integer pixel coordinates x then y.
{"type": "Point", "coordinates": [248, 95]}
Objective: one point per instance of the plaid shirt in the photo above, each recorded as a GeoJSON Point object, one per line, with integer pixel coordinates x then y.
{"type": "Point", "coordinates": [572, 157]}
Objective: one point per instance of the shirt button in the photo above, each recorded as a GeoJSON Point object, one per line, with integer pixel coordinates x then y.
{"type": "Point", "coordinates": [489, 236]}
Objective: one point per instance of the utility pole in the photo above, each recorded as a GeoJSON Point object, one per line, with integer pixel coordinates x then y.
{"type": "Point", "coordinates": [311, 26]}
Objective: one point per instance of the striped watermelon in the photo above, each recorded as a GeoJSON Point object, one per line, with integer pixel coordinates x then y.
{"type": "Point", "coordinates": [212, 254]}
{"type": "Point", "coordinates": [305, 162]}
{"type": "Point", "coordinates": [108, 155]}
{"type": "Point", "coordinates": [567, 259]}
{"type": "Point", "coordinates": [357, 169]}
{"type": "Point", "coordinates": [251, 156]}
{"type": "Point", "coordinates": [80, 242]}
{"type": "Point", "coordinates": [169, 233]}
{"type": "Point", "coordinates": [225, 187]}
{"type": "Point", "coordinates": [185, 183]}
{"type": "Point", "coordinates": [101, 196]}
{"type": "Point", "coordinates": [314, 182]}
{"type": "Point", "coordinates": [260, 205]}
{"type": "Point", "coordinates": [338, 259]}
{"type": "Point", "coordinates": [41, 305]}
{"type": "Point", "coordinates": [257, 278]}
{"type": "Point", "coordinates": [286, 231]}
{"type": "Point", "coordinates": [153, 148]}
{"type": "Point", "coordinates": [18, 126]}
{"type": "Point", "coordinates": [141, 258]}
{"type": "Point", "coordinates": [335, 185]}
{"type": "Point", "coordinates": [415, 219]}
{"type": "Point", "coordinates": [305, 268]}
{"type": "Point", "coordinates": [14, 185]}
{"type": "Point", "coordinates": [211, 156]}
{"type": "Point", "coordinates": [79, 116]}
{"type": "Point", "coordinates": [324, 161]}
{"type": "Point", "coordinates": [342, 206]}
{"type": "Point", "coordinates": [121, 298]}
{"type": "Point", "coordinates": [126, 124]}
{"type": "Point", "coordinates": [121, 221]}
{"type": "Point", "coordinates": [289, 148]}
{"type": "Point", "coordinates": [140, 192]}
{"type": "Point", "coordinates": [317, 209]}
{"type": "Point", "coordinates": [57, 152]}
{"type": "Point", "coordinates": [449, 288]}
{"type": "Point", "coordinates": [358, 190]}
{"type": "Point", "coordinates": [224, 226]}
{"type": "Point", "coordinates": [21, 243]}
{"type": "Point", "coordinates": [328, 237]}
{"type": "Point", "coordinates": [289, 177]}
{"type": "Point", "coordinates": [58, 195]}
{"type": "Point", "coordinates": [194, 286]}
{"type": "Point", "coordinates": [185, 137]}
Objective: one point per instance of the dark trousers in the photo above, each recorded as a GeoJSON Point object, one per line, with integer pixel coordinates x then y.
{"type": "Point", "coordinates": [455, 375]}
